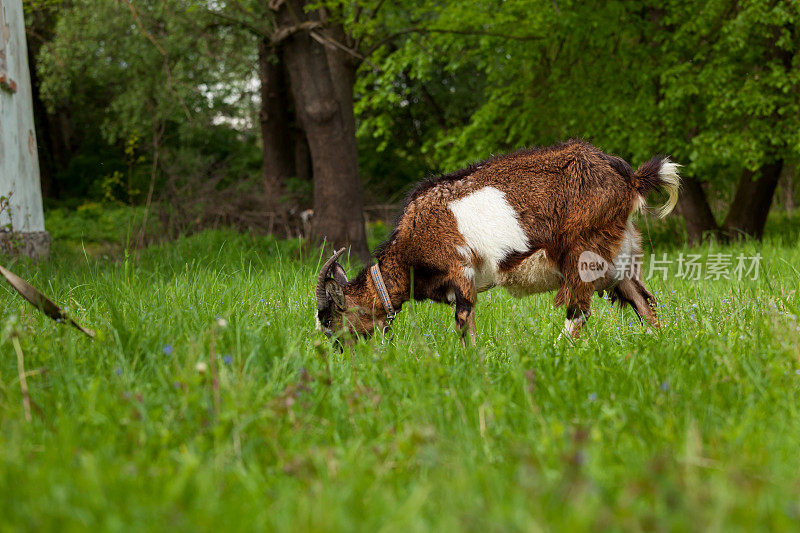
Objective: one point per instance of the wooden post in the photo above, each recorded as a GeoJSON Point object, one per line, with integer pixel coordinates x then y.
{"type": "Point", "coordinates": [22, 220]}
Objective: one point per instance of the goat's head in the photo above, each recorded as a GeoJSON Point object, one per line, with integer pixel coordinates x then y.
{"type": "Point", "coordinates": [341, 308]}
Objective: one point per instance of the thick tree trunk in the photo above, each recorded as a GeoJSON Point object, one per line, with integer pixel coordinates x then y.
{"type": "Point", "coordinates": [748, 212]}
{"type": "Point", "coordinates": [343, 75]}
{"type": "Point", "coordinates": [302, 155]}
{"type": "Point", "coordinates": [697, 215]}
{"type": "Point", "coordinates": [275, 119]}
{"type": "Point", "coordinates": [338, 196]}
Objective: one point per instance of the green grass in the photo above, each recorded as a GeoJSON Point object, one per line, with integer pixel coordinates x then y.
{"type": "Point", "coordinates": [695, 426]}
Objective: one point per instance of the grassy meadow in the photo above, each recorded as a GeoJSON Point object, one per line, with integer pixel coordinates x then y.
{"type": "Point", "coordinates": [208, 402]}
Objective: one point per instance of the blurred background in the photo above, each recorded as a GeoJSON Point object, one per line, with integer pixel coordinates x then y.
{"type": "Point", "coordinates": [308, 119]}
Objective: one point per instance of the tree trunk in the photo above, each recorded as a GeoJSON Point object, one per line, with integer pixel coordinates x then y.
{"type": "Point", "coordinates": [276, 139]}
{"type": "Point", "coordinates": [697, 215]}
{"type": "Point", "coordinates": [302, 155]}
{"type": "Point", "coordinates": [750, 207]}
{"type": "Point", "coordinates": [338, 196]}
{"type": "Point", "coordinates": [343, 75]}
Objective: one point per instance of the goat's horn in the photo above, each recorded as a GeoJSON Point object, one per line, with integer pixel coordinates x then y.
{"type": "Point", "coordinates": [322, 296]}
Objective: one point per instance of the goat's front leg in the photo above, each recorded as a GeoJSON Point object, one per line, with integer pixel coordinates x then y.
{"type": "Point", "coordinates": [576, 318]}
{"type": "Point", "coordinates": [465, 297]}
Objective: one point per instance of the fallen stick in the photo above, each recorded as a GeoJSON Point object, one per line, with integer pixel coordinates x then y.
{"type": "Point", "coordinates": [40, 301]}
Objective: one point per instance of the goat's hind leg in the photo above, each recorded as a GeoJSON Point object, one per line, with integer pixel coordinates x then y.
{"type": "Point", "coordinates": [633, 292]}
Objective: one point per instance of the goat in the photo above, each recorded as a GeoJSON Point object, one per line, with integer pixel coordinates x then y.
{"type": "Point", "coordinates": [525, 221]}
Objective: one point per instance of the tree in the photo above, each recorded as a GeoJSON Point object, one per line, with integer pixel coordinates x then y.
{"type": "Point", "coordinates": [736, 63]}
{"type": "Point", "coordinates": [307, 81]}
{"type": "Point", "coordinates": [322, 86]}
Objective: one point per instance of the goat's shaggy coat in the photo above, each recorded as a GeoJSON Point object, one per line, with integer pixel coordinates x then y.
{"type": "Point", "coordinates": [520, 221]}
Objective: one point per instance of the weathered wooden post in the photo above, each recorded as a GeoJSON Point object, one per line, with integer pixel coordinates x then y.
{"type": "Point", "coordinates": [22, 219]}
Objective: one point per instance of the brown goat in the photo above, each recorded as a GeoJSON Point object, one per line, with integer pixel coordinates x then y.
{"type": "Point", "coordinates": [525, 221]}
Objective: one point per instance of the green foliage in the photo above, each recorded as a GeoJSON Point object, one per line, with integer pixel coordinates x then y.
{"type": "Point", "coordinates": [441, 84]}
{"type": "Point", "coordinates": [714, 84]}
{"type": "Point", "coordinates": [143, 63]}
{"type": "Point", "coordinates": [736, 65]}
{"type": "Point", "coordinates": [692, 427]}
{"type": "Point", "coordinates": [33, 5]}
{"type": "Point", "coordinates": [139, 78]}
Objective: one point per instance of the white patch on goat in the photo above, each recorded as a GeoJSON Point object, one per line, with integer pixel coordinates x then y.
{"type": "Point", "coordinates": [491, 230]}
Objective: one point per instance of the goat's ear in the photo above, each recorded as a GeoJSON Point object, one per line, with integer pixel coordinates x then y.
{"type": "Point", "coordinates": [335, 293]}
{"type": "Point", "coordinates": [338, 273]}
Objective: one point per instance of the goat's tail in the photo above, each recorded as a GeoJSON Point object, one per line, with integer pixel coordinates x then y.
{"type": "Point", "coordinates": [659, 173]}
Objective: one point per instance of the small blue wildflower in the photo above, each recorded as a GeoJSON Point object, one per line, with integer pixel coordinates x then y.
{"type": "Point", "coordinates": [261, 300]}
{"type": "Point", "coordinates": [168, 349]}
{"type": "Point", "coordinates": [665, 386]}
{"type": "Point", "coordinates": [724, 300]}
{"type": "Point", "coordinates": [227, 359]}
{"type": "Point", "coordinates": [797, 371]}
{"type": "Point", "coordinates": [118, 371]}
{"type": "Point", "coordinates": [593, 397]}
